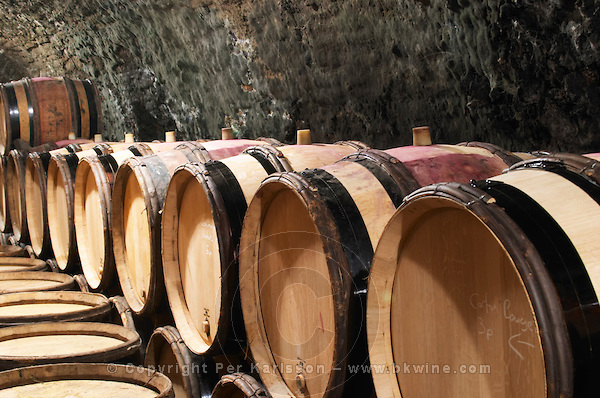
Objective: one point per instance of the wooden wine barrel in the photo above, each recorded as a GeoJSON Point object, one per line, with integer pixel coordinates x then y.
{"type": "Point", "coordinates": [201, 225]}
{"type": "Point", "coordinates": [32, 281]}
{"type": "Point", "coordinates": [60, 209]}
{"type": "Point", "coordinates": [16, 174]}
{"type": "Point", "coordinates": [15, 182]}
{"type": "Point", "coordinates": [138, 195]}
{"type": "Point", "coordinates": [47, 109]}
{"type": "Point", "coordinates": [14, 264]}
{"type": "Point", "coordinates": [56, 306]}
{"type": "Point", "coordinates": [57, 342]}
{"type": "Point", "coordinates": [9, 250]}
{"type": "Point", "coordinates": [300, 157]}
{"type": "Point", "coordinates": [92, 192]}
{"type": "Point", "coordinates": [239, 385]}
{"type": "Point", "coordinates": [36, 176]}
{"type": "Point", "coordinates": [190, 374]}
{"type": "Point", "coordinates": [305, 253]}
{"type": "Point", "coordinates": [515, 262]}
{"type": "Point", "coordinates": [5, 225]}
{"type": "Point", "coordinates": [93, 380]}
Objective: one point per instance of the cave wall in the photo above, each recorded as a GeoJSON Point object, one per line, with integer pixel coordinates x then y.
{"type": "Point", "coordinates": [520, 74]}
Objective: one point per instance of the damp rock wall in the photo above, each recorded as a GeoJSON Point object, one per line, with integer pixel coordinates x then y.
{"type": "Point", "coordinates": [520, 74]}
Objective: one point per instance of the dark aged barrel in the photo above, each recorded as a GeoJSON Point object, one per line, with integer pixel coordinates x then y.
{"type": "Point", "coordinates": [36, 176]}
{"type": "Point", "coordinates": [517, 268]}
{"type": "Point", "coordinates": [191, 375]}
{"type": "Point", "coordinates": [92, 192]}
{"type": "Point", "coordinates": [239, 385]}
{"type": "Point", "coordinates": [52, 306]}
{"type": "Point", "coordinates": [31, 281]}
{"type": "Point", "coordinates": [90, 380]}
{"type": "Point", "coordinates": [201, 224]}
{"type": "Point", "coordinates": [60, 183]}
{"type": "Point", "coordinates": [57, 342]}
{"type": "Point", "coordinates": [306, 248]}
{"type": "Point", "coordinates": [45, 109]}
{"type": "Point", "coordinates": [138, 195]}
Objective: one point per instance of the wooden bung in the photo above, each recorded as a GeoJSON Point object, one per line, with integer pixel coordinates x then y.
{"type": "Point", "coordinates": [421, 136]}
{"type": "Point", "coordinates": [202, 216]}
{"type": "Point", "coordinates": [138, 195]}
{"type": "Point", "coordinates": [47, 109]}
{"type": "Point", "coordinates": [303, 137]}
{"type": "Point", "coordinates": [36, 171]}
{"type": "Point", "coordinates": [129, 138]}
{"type": "Point", "coordinates": [98, 138]}
{"type": "Point", "coordinates": [308, 239]}
{"type": "Point", "coordinates": [227, 133]}
{"type": "Point", "coordinates": [170, 136]}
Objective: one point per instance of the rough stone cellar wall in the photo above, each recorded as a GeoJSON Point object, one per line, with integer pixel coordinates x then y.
{"type": "Point", "coordinates": [522, 74]}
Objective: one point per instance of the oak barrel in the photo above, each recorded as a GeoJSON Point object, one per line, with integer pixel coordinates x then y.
{"type": "Point", "coordinates": [190, 374]}
{"type": "Point", "coordinates": [138, 195]}
{"type": "Point", "coordinates": [15, 180]}
{"type": "Point", "coordinates": [36, 179]}
{"type": "Point", "coordinates": [32, 281]}
{"type": "Point", "coordinates": [90, 380]}
{"type": "Point", "coordinates": [239, 385]}
{"type": "Point", "coordinates": [92, 192]}
{"type": "Point", "coordinates": [59, 201]}
{"type": "Point", "coordinates": [201, 225]}
{"type": "Point", "coordinates": [57, 342]}
{"type": "Point", "coordinates": [47, 109]}
{"type": "Point", "coordinates": [5, 225]}
{"type": "Point", "coordinates": [52, 306]}
{"type": "Point", "coordinates": [9, 250]}
{"type": "Point", "coordinates": [305, 253]}
{"type": "Point", "coordinates": [517, 268]}
{"type": "Point", "coordinates": [13, 264]}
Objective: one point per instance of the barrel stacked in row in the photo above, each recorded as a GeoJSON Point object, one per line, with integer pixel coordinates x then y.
{"type": "Point", "coordinates": [334, 254]}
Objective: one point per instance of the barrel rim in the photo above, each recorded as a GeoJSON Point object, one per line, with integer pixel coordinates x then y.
{"type": "Point", "coordinates": [339, 273]}
{"type": "Point", "coordinates": [540, 291]}
{"type": "Point", "coordinates": [271, 154]}
{"type": "Point", "coordinates": [65, 282]}
{"type": "Point", "coordinates": [169, 335]}
{"type": "Point", "coordinates": [32, 264]}
{"type": "Point", "coordinates": [239, 382]}
{"type": "Point", "coordinates": [130, 341]}
{"type": "Point", "coordinates": [99, 306]}
{"type": "Point", "coordinates": [84, 371]}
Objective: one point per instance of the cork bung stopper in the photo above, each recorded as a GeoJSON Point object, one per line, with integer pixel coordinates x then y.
{"type": "Point", "coordinates": [303, 137]}
{"type": "Point", "coordinates": [421, 136]}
